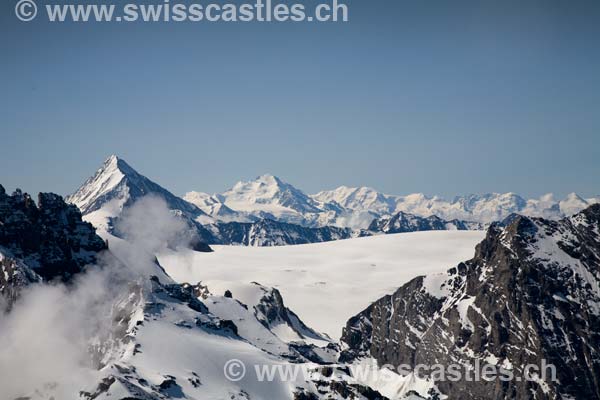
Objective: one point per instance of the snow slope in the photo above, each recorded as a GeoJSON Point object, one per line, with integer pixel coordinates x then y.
{"type": "Point", "coordinates": [326, 283]}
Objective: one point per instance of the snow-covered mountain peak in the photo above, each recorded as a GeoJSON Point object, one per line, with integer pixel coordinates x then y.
{"type": "Point", "coordinates": [115, 161]}
{"type": "Point", "coordinates": [506, 200]}
{"type": "Point", "coordinates": [115, 185]}
{"type": "Point", "coordinates": [573, 203]}
{"type": "Point", "coordinates": [341, 193]}
{"type": "Point", "coordinates": [107, 178]}
{"type": "Point", "coordinates": [361, 198]}
{"type": "Point", "coordinates": [261, 188]}
{"type": "Point", "coordinates": [574, 198]}
{"type": "Point", "coordinates": [269, 194]}
{"type": "Point", "coordinates": [417, 197]}
{"type": "Point", "coordinates": [269, 179]}
{"type": "Point", "coordinates": [547, 198]}
{"type": "Point", "coordinates": [212, 204]}
{"type": "Point", "coordinates": [115, 164]}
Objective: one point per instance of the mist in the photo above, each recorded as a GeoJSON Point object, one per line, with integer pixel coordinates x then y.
{"type": "Point", "coordinates": [45, 339]}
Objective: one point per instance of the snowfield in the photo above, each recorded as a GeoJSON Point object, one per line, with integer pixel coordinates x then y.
{"type": "Point", "coordinates": [325, 283]}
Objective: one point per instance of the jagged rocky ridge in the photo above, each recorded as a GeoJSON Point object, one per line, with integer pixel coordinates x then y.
{"type": "Point", "coordinates": [201, 332]}
{"type": "Point", "coordinates": [531, 292]}
{"type": "Point", "coordinates": [42, 242]}
{"type": "Point", "coordinates": [404, 222]}
{"type": "Point", "coordinates": [267, 232]}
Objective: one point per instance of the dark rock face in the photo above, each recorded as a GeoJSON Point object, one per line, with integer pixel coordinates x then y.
{"type": "Point", "coordinates": [199, 245]}
{"type": "Point", "coordinates": [14, 276]}
{"type": "Point", "coordinates": [42, 242]}
{"type": "Point", "coordinates": [404, 222]}
{"type": "Point", "coordinates": [531, 293]}
{"type": "Point", "coordinates": [268, 232]}
{"type": "Point", "coordinates": [183, 293]}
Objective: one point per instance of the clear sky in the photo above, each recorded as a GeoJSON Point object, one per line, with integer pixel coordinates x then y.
{"type": "Point", "coordinates": [443, 97]}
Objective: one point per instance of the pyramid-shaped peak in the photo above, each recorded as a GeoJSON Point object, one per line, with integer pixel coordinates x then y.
{"type": "Point", "coordinates": [114, 162]}
{"type": "Point", "coordinates": [112, 159]}
{"type": "Point", "coordinates": [118, 184]}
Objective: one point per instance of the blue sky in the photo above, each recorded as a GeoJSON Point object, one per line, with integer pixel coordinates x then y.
{"type": "Point", "coordinates": [446, 97]}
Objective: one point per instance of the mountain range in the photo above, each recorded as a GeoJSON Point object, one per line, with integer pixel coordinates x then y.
{"type": "Point", "coordinates": [133, 315]}
{"type": "Point", "coordinates": [529, 296]}
{"type": "Point", "coordinates": [268, 211]}
{"type": "Point", "coordinates": [269, 196]}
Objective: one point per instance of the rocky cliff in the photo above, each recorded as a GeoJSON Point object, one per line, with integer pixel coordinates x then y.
{"type": "Point", "coordinates": [531, 293]}
{"type": "Point", "coordinates": [43, 241]}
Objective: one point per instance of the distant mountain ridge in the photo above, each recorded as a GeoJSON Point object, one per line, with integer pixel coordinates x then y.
{"type": "Point", "coordinates": [268, 196]}
{"type": "Point", "coordinates": [268, 211]}
{"type": "Point", "coordinates": [116, 185]}
{"type": "Point", "coordinates": [484, 208]}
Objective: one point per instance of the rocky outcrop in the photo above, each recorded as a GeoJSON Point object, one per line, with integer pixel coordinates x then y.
{"type": "Point", "coordinates": [338, 388]}
{"type": "Point", "coordinates": [271, 312]}
{"type": "Point", "coordinates": [531, 293]}
{"type": "Point", "coordinates": [42, 242]}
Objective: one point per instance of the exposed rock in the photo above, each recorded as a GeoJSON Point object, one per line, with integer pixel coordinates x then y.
{"type": "Point", "coordinates": [43, 242]}
{"type": "Point", "coordinates": [183, 293]}
{"type": "Point", "coordinates": [531, 293]}
{"type": "Point", "coordinates": [267, 232]}
{"type": "Point", "coordinates": [271, 311]}
{"type": "Point", "coordinates": [405, 222]}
